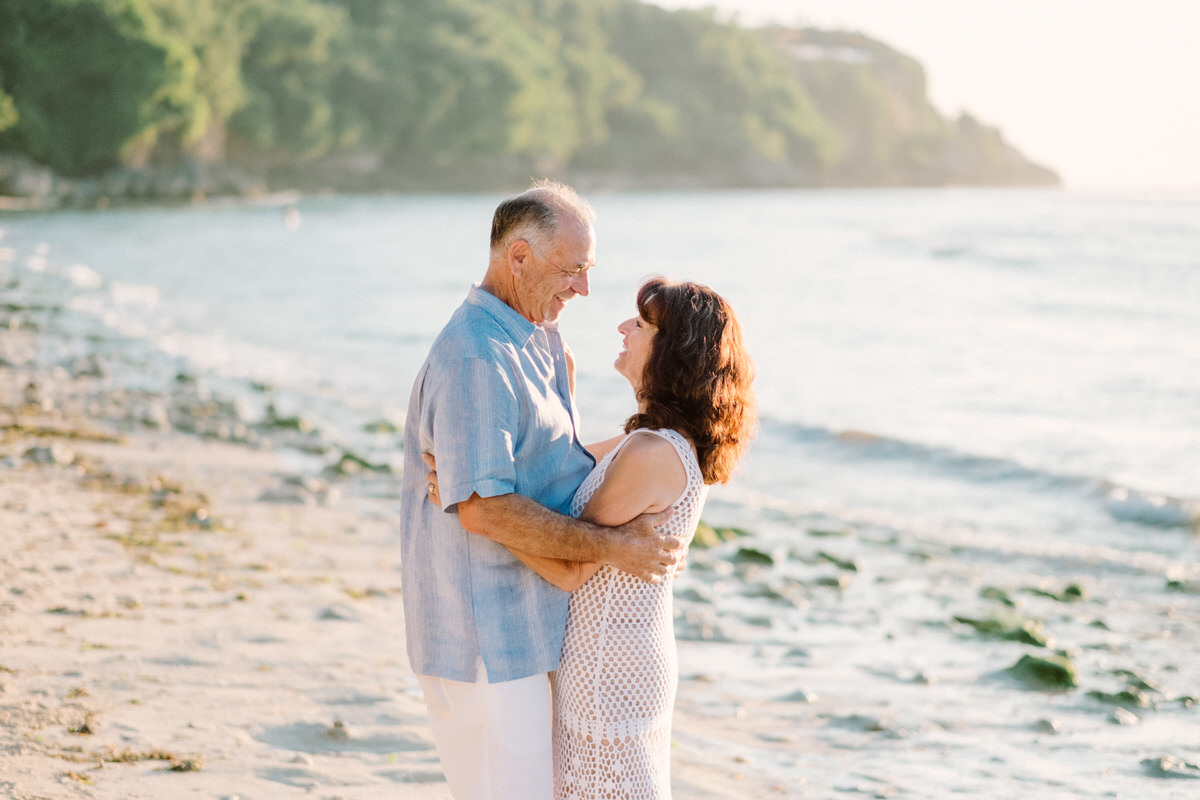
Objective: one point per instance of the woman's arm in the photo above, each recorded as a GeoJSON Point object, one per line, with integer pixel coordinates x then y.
{"type": "Point", "coordinates": [600, 449]}
{"type": "Point", "coordinates": [566, 575]}
{"type": "Point", "coordinates": [570, 356]}
{"type": "Point", "coordinates": [646, 476]}
{"type": "Point", "coordinates": [519, 523]}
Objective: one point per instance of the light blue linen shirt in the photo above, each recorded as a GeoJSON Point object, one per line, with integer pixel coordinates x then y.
{"type": "Point", "coordinates": [493, 404]}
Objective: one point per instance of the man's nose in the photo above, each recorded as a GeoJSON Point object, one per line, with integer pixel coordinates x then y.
{"type": "Point", "coordinates": [581, 284]}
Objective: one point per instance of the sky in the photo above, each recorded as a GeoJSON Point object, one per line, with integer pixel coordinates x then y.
{"type": "Point", "coordinates": [1106, 92]}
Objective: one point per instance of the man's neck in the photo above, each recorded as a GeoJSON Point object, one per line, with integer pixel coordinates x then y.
{"type": "Point", "coordinates": [505, 292]}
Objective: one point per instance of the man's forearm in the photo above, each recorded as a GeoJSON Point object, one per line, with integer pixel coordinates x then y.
{"type": "Point", "coordinates": [522, 524]}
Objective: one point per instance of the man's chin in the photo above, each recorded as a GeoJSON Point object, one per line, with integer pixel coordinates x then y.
{"type": "Point", "coordinates": [555, 309]}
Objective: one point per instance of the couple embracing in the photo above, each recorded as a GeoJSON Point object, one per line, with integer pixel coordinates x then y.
{"type": "Point", "coordinates": [532, 692]}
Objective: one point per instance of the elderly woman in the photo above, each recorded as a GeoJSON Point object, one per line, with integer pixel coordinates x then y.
{"type": "Point", "coordinates": [614, 690]}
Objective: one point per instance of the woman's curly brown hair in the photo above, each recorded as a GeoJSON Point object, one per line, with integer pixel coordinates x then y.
{"type": "Point", "coordinates": [697, 377]}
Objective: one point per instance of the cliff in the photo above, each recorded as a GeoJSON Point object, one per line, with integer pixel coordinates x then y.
{"type": "Point", "coordinates": [891, 134]}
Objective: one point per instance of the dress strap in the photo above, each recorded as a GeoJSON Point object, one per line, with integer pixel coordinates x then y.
{"type": "Point", "coordinates": [682, 446]}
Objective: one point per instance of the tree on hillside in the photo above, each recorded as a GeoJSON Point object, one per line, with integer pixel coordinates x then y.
{"type": "Point", "coordinates": [717, 101]}
{"type": "Point", "coordinates": [8, 111]}
{"type": "Point", "coordinates": [216, 33]}
{"type": "Point", "coordinates": [90, 80]}
{"type": "Point", "coordinates": [875, 96]}
{"type": "Point", "coordinates": [437, 85]}
{"type": "Point", "coordinates": [288, 64]}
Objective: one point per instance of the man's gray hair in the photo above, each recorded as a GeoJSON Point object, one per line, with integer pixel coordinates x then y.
{"type": "Point", "coordinates": [533, 214]}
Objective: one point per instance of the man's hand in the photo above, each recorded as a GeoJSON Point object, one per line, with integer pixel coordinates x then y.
{"type": "Point", "coordinates": [637, 548]}
{"type": "Point", "coordinates": [431, 481]}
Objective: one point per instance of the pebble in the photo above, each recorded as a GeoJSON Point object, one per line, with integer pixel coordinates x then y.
{"type": "Point", "coordinates": [155, 416]}
{"type": "Point", "coordinates": [55, 453]}
{"type": "Point", "coordinates": [694, 594]}
{"type": "Point", "coordinates": [1170, 767]}
{"type": "Point", "coordinates": [288, 495]}
{"type": "Point", "coordinates": [1047, 726]}
{"type": "Point", "coordinates": [337, 613]}
{"type": "Point", "coordinates": [1121, 716]}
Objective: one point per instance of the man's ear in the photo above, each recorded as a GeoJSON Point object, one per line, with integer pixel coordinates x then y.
{"type": "Point", "coordinates": [519, 256]}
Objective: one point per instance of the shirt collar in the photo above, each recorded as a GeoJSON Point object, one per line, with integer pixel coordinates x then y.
{"type": "Point", "coordinates": [516, 326]}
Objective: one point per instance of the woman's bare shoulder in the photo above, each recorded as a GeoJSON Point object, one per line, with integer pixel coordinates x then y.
{"type": "Point", "coordinates": [645, 475]}
{"type": "Point", "coordinates": [647, 446]}
{"type": "Point", "coordinates": [651, 463]}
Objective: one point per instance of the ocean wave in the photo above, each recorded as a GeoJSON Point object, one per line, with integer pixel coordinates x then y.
{"type": "Point", "coordinates": [140, 312]}
{"type": "Point", "coordinates": [133, 294]}
{"type": "Point", "coordinates": [1123, 503]}
{"type": "Point", "coordinates": [975, 467]}
{"type": "Point", "coordinates": [1158, 510]}
{"type": "Point", "coordinates": [1062, 556]}
{"type": "Point", "coordinates": [84, 277]}
{"type": "Point", "coordinates": [979, 248]}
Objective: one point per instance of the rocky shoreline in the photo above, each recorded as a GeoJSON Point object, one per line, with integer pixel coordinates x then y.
{"type": "Point", "coordinates": [26, 185]}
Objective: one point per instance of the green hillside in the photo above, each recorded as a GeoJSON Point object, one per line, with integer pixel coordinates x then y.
{"type": "Point", "coordinates": [466, 94]}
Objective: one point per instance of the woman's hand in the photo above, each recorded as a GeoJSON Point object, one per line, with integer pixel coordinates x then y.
{"type": "Point", "coordinates": [431, 480]}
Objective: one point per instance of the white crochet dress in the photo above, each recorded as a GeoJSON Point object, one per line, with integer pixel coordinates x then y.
{"type": "Point", "coordinates": [614, 690]}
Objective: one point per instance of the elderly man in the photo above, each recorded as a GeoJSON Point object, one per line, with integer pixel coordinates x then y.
{"type": "Point", "coordinates": [493, 404]}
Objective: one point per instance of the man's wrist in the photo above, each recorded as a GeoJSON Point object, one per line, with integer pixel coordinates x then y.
{"type": "Point", "coordinates": [604, 542]}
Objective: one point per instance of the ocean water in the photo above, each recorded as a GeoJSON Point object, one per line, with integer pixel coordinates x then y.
{"type": "Point", "coordinates": [964, 395]}
{"type": "Point", "coordinates": [1011, 361]}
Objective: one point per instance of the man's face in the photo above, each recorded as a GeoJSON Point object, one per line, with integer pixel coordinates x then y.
{"type": "Point", "coordinates": [552, 276]}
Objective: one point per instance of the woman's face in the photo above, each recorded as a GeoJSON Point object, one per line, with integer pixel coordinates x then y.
{"type": "Point", "coordinates": [637, 335]}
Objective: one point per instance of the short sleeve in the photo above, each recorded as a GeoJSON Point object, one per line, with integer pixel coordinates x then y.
{"type": "Point", "coordinates": [475, 417]}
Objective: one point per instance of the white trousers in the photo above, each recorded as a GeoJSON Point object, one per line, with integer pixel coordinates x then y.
{"type": "Point", "coordinates": [493, 739]}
